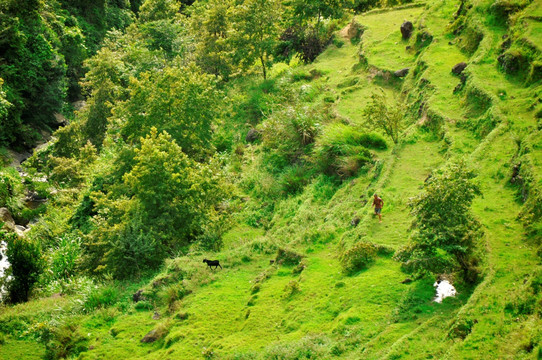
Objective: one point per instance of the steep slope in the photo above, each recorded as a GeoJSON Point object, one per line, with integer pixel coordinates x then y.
{"type": "Point", "coordinates": [253, 309]}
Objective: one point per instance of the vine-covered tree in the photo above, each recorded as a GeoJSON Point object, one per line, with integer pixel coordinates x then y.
{"type": "Point", "coordinates": [105, 82]}
{"type": "Point", "coordinates": [153, 10]}
{"type": "Point", "coordinates": [446, 233]}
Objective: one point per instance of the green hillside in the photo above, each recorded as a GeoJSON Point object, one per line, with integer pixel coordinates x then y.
{"type": "Point", "coordinates": [298, 200]}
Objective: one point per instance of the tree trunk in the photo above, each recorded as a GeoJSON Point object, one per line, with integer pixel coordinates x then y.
{"type": "Point", "coordinates": [263, 67]}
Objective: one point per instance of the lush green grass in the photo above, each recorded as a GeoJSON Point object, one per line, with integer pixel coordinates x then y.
{"type": "Point", "coordinates": [322, 311]}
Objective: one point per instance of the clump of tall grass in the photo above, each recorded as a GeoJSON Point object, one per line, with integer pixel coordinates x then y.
{"type": "Point", "coordinates": [343, 150]}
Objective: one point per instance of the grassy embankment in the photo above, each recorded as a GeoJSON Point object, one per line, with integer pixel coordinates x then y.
{"type": "Point", "coordinates": [370, 314]}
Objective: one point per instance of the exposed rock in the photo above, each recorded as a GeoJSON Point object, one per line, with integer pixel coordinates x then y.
{"type": "Point", "coordinates": [151, 337]}
{"type": "Point", "coordinates": [355, 221]}
{"type": "Point", "coordinates": [20, 230]}
{"type": "Point", "coordinates": [78, 105]}
{"type": "Point", "coordinates": [406, 30]}
{"type": "Point", "coordinates": [35, 197]}
{"type": "Point", "coordinates": [271, 262]}
{"type": "Point", "coordinates": [458, 68]}
{"type": "Point", "coordinates": [401, 73]}
{"type": "Point", "coordinates": [156, 316]}
{"type": "Point", "coordinates": [252, 135]}
{"type": "Point", "coordinates": [7, 219]}
{"type": "Point", "coordinates": [406, 281]}
{"type": "Point", "coordinates": [138, 296]}
{"type": "Point", "coordinates": [60, 119]}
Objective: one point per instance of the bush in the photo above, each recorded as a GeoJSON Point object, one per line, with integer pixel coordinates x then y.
{"type": "Point", "coordinates": [64, 257]}
{"type": "Point", "coordinates": [294, 179]}
{"type": "Point", "coordinates": [287, 135]}
{"type": "Point", "coordinates": [26, 265]}
{"type": "Point", "coordinates": [101, 298]}
{"type": "Point", "coordinates": [288, 257]}
{"type": "Point", "coordinates": [172, 293]}
{"type": "Point", "coordinates": [340, 150]}
{"type": "Point", "coordinates": [358, 257]}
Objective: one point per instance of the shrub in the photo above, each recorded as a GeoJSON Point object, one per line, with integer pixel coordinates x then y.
{"type": "Point", "coordinates": [288, 257]}
{"type": "Point", "coordinates": [293, 179]}
{"type": "Point", "coordinates": [381, 115]}
{"type": "Point", "coordinates": [101, 298]}
{"type": "Point", "coordinates": [313, 346]}
{"type": "Point", "coordinates": [26, 264]}
{"type": "Point", "coordinates": [64, 257]}
{"type": "Point", "coordinates": [299, 268]}
{"type": "Point", "coordinates": [65, 171]}
{"type": "Point", "coordinates": [358, 257]}
{"type": "Point", "coordinates": [338, 42]}
{"type": "Point", "coordinates": [340, 150]}
{"type": "Point", "coordinates": [172, 293]}
{"type": "Point", "coordinates": [373, 141]}
{"type": "Point", "coordinates": [287, 133]}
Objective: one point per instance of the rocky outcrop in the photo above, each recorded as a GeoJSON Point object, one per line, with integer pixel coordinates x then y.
{"type": "Point", "coordinates": [458, 68]}
{"type": "Point", "coordinates": [138, 296]}
{"type": "Point", "coordinates": [355, 221]}
{"type": "Point", "coordinates": [401, 73]}
{"type": "Point", "coordinates": [7, 220]}
{"type": "Point", "coordinates": [406, 30]}
{"type": "Point", "coordinates": [151, 337]}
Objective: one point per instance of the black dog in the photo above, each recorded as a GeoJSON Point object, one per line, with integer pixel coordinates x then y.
{"type": "Point", "coordinates": [211, 263]}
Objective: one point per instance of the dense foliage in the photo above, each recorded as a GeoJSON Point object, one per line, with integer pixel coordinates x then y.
{"type": "Point", "coordinates": [44, 45]}
{"type": "Point", "coordinates": [446, 235]}
{"type": "Point", "coordinates": [26, 265]}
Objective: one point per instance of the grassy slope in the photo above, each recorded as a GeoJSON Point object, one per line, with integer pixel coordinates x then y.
{"type": "Point", "coordinates": [358, 313]}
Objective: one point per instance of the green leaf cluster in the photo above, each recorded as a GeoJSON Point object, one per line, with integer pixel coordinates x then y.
{"type": "Point", "coordinates": [446, 234]}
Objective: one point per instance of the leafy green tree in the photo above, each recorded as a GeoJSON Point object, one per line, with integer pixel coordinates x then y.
{"type": "Point", "coordinates": [307, 10]}
{"type": "Point", "coordinates": [446, 233]}
{"type": "Point", "coordinates": [181, 101]}
{"type": "Point", "coordinates": [25, 266]}
{"type": "Point", "coordinates": [164, 203]}
{"type": "Point", "coordinates": [380, 115]}
{"type": "Point", "coordinates": [152, 10]}
{"type": "Point", "coordinates": [211, 22]}
{"type": "Point", "coordinates": [4, 105]}
{"type": "Point", "coordinates": [256, 31]}
{"type": "Point", "coordinates": [33, 70]}
{"type": "Point", "coordinates": [105, 81]}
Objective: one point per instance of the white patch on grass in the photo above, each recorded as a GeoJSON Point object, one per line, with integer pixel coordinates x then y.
{"type": "Point", "coordinates": [444, 290]}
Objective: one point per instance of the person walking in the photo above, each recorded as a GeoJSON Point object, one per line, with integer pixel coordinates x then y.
{"type": "Point", "coordinates": [378, 204]}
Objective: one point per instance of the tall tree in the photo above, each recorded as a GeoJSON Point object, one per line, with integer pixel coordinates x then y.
{"type": "Point", "coordinates": [181, 101]}
{"type": "Point", "coordinates": [307, 10]}
{"type": "Point", "coordinates": [105, 82]}
{"type": "Point", "coordinates": [256, 31]}
{"type": "Point", "coordinates": [211, 22]}
{"type": "Point", "coordinates": [446, 233]}
{"type": "Point", "coordinates": [152, 10]}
